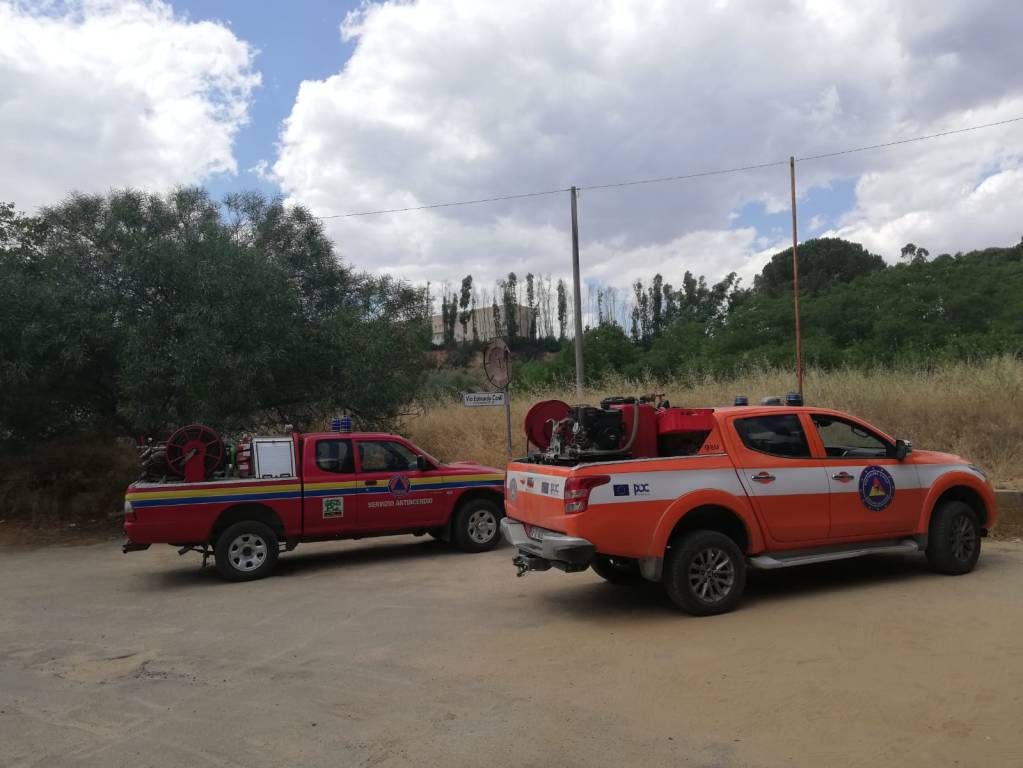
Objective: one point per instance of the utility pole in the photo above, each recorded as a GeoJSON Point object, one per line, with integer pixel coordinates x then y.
{"type": "Point", "coordinates": [795, 278]}
{"type": "Point", "coordinates": [578, 302]}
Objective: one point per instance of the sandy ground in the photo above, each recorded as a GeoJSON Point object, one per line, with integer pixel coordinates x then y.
{"type": "Point", "coordinates": [398, 653]}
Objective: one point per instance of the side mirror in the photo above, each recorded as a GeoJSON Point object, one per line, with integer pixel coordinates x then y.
{"type": "Point", "coordinates": [902, 449]}
{"type": "Point", "coordinates": [423, 464]}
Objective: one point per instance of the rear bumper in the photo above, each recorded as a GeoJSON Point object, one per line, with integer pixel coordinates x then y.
{"type": "Point", "coordinates": [567, 553]}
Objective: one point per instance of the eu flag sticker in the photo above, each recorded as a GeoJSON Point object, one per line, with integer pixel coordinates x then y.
{"type": "Point", "coordinates": [621, 490]}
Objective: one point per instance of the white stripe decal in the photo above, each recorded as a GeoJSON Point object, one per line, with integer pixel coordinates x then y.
{"type": "Point", "coordinates": [626, 487]}
{"type": "Point", "coordinates": [796, 481]}
{"type": "Point", "coordinates": [904, 475]}
{"type": "Point", "coordinates": [670, 484]}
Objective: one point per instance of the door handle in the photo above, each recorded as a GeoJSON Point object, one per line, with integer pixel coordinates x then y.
{"type": "Point", "coordinates": [370, 482]}
{"type": "Point", "coordinates": [763, 477]}
{"type": "Point", "coordinates": [843, 477]}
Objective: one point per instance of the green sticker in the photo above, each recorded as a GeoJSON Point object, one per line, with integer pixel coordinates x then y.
{"type": "Point", "coordinates": [334, 507]}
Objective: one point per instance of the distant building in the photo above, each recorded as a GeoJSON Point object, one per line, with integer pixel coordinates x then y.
{"type": "Point", "coordinates": [484, 325]}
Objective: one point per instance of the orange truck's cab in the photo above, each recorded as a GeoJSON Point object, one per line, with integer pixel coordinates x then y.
{"type": "Point", "coordinates": [763, 487]}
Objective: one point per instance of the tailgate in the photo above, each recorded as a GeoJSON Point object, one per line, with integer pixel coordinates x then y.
{"type": "Point", "coordinates": [535, 494]}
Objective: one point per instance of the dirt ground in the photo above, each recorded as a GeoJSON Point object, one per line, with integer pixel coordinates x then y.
{"type": "Point", "coordinates": [398, 652]}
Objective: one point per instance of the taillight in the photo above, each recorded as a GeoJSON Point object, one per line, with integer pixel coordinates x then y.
{"type": "Point", "coordinates": [577, 491]}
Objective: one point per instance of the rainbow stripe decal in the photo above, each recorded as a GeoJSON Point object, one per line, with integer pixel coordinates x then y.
{"type": "Point", "coordinates": [232, 492]}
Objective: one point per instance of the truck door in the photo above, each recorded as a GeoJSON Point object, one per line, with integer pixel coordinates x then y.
{"type": "Point", "coordinates": [394, 492]}
{"type": "Point", "coordinates": [330, 489]}
{"type": "Point", "coordinates": [787, 485]}
{"type": "Point", "coordinates": [871, 492]}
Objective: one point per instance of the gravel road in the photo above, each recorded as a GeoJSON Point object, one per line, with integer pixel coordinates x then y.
{"type": "Point", "coordinates": [399, 652]}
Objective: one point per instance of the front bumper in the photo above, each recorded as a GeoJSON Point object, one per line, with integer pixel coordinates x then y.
{"type": "Point", "coordinates": [564, 552]}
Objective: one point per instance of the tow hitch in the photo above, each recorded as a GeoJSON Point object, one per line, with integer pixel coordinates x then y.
{"type": "Point", "coordinates": [529, 563]}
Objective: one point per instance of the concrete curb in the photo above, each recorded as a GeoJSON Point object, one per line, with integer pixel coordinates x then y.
{"type": "Point", "coordinates": [1010, 513]}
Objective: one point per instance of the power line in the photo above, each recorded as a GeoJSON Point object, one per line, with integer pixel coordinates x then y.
{"type": "Point", "coordinates": [447, 205]}
{"type": "Point", "coordinates": [908, 141]}
{"type": "Point", "coordinates": [681, 177]}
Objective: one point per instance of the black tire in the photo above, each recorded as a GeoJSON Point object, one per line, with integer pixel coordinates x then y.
{"type": "Point", "coordinates": [246, 551]}
{"type": "Point", "coordinates": [616, 570]}
{"type": "Point", "coordinates": [953, 541]}
{"type": "Point", "coordinates": [477, 525]}
{"type": "Point", "coordinates": [691, 560]}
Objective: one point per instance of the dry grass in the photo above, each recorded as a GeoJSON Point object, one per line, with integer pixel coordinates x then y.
{"type": "Point", "coordinates": [971, 409]}
{"type": "Point", "coordinates": [61, 489]}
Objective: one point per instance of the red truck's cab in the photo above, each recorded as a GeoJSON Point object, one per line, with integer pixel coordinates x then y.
{"type": "Point", "coordinates": [336, 486]}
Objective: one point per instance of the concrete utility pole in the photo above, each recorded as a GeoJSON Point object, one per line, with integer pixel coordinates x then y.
{"type": "Point", "coordinates": [795, 278]}
{"type": "Point", "coordinates": [578, 301]}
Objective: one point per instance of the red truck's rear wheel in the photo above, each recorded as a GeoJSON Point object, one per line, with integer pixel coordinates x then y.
{"type": "Point", "coordinates": [705, 573]}
{"type": "Point", "coordinates": [246, 551]}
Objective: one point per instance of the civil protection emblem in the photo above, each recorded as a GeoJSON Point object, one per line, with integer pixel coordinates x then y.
{"type": "Point", "coordinates": [399, 486]}
{"type": "Point", "coordinates": [877, 488]}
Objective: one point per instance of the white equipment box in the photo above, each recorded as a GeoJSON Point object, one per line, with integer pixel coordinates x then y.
{"type": "Point", "coordinates": [273, 457]}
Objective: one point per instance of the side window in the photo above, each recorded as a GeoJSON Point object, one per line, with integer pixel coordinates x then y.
{"type": "Point", "coordinates": [385, 456]}
{"type": "Point", "coordinates": [780, 435]}
{"type": "Point", "coordinates": [335, 456]}
{"type": "Point", "coordinates": [842, 438]}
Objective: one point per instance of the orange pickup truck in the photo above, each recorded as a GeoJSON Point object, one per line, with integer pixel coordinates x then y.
{"type": "Point", "coordinates": [692, 498]}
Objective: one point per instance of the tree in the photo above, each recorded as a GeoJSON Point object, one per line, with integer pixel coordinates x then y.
{"type": "Point", "coordinates": [133, 312]}
{"type": "Point", "coordinates": [511, 315]}
{"type": "Point", "coordinates": [562, 309]}
{"type": "Point", "coordinates": [656, 305]}
{"type": "Point", "coordinates": [496, 313]}
{"type": "Point", "coordinates": [531, 304]}
{"type": "Point", "coordinates": [464, 300]}
{"type": "Point", "coordinates": [823, 263]}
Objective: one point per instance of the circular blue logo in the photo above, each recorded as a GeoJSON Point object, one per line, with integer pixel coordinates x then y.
{"type": "Point", "coordinates": [399, 486]}
{"type": "Point", "coordinates": [877, 488]}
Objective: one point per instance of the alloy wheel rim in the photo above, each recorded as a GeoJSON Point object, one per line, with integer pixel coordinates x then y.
{"type": "Point", "coordinates": [482, 526]}
{"type": "Point", "coordinates": [963, 538]}
{"type": "Point", "coordinates": [247, 552]}
{"type": "Point", "coordinates": [711, 575]}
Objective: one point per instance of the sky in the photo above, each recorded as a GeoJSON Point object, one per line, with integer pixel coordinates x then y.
{"type": "Point", "coordinates": [359, 106]}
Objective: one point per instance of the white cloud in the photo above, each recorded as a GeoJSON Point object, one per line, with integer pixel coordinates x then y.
{"type": "Point", "coordinates": [446, 100]}
{"type": "Point", "coordinates": [102, 93]}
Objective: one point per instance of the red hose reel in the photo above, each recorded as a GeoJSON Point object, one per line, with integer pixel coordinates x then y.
{"type": "Point", "coordinates": [194, 453]}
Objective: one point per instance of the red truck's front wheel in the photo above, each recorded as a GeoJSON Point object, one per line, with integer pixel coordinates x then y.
{"type": "Point", "coordinates": [477, 525]}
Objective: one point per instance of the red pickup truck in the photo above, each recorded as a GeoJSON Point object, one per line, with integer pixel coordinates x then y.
{"type": "Point", "coordinates": [317, 487]}
{"type": "Point", "coordinates": [692, 498]}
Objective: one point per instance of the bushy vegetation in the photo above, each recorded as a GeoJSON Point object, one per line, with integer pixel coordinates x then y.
{"type": "Point", "coordinates": [130, 313]}
{"type": "Point", "coordinates": [855, 311]}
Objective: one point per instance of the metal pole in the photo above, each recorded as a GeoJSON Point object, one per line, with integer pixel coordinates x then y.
{"type": "Point", "coordinates": [507, 417]}
{"type": "Point", "coordinates": [580, 378]}
{"type": "Point", "coordinates": [795, 279]}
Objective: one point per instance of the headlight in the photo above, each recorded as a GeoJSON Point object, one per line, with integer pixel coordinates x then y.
{"type": "Point", "coordinates": [128, 509]}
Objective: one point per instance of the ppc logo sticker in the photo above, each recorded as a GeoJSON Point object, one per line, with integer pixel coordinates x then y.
{"type": "Point", "coordinates": [877, 488]}
{"type": "Point", "coordinates": [621, 490]}
{"type": "Point", "coordinates": [333, 506]}
{"type": "Point", "coordinates": [399, 486]}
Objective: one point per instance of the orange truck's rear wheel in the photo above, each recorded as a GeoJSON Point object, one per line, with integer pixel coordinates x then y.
{"type": "Point", "coordinates": [705, 573]}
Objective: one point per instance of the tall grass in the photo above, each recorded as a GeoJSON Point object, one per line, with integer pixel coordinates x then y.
{"type": "Point", "coordinates": [971, 409]}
